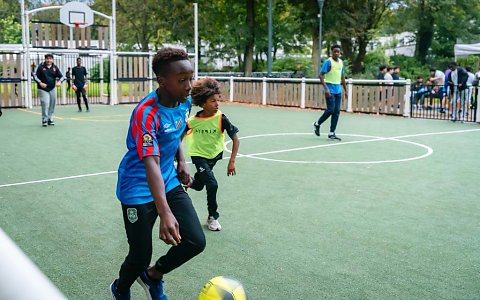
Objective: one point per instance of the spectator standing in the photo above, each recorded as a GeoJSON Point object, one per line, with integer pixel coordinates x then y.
{"type": "Point", "coordinates": [471, 78]}
{"type": "Point", "coordinates": [381, 72]}
{"type": "Point", "coordinates": [48, 77]}
{"type": "Point", "coordinates": [80, 83]}
{"type": "Point", "coordinates": [458, 84]}
{"type": "Point", "coordinates": [477, 75]}
{"type": "Point", "coordinates": [446, 92]}
{"type": "Point", "coordinates": [69, 78]}
{"type": "Point", "coordinates": [396, 73]}
{"type": "Point", "coordinates": [438, 81]}
{"type": "Point", "coordinates": [388, 74]}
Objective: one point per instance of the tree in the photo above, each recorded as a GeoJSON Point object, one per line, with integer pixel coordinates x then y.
{"type": "Point", "coordinates": [438, 24]}
{"type": "Point", "coordinates": [250, 41]}
{"type": "Point", "coordinates": [12, 31]}
{"type": "Point", "coordinates": [360, 21]}
{"type": "Point", "coordinates": [151, 22]}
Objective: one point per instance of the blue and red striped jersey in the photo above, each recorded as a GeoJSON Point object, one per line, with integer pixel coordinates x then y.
{"type": "Point", "coordinates": [154, 130]}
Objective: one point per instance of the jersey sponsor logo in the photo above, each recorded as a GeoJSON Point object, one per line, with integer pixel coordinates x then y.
{"type": "Point", "coordinates": [147, 140]}
{"type": "Point", "coordinates": [132, 215]}
{"type": "Point", "coordinates": [178, 123]}
{"type": "Point", "coordinates": [205, 131]}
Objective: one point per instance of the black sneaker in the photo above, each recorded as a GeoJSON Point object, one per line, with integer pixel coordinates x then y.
{"type": "Point", "coordinates": [51, 123]}
{"type": "Point", "coordinates": [334, 137]}
{"type": "Point", "coordinates": [442, 111]}
{"type": "Point", "coordinates": [44, 124]}
{"type": "Point", "coordinates": [316, 129]}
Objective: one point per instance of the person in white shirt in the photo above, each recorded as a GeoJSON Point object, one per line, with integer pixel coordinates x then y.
{"type": "Point", "coordinates": [471, 78]}
{"type": "Point", "coordinates": [477, 75]}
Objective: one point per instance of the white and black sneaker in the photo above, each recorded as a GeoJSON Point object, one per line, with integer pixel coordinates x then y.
{"type": "Point", "coordinates": [213, 224]}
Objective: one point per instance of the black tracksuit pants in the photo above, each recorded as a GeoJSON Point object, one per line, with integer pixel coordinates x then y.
{"type": "Point", "coordinates": [81, 92]}
{"type": "Point", "coordinates": [139, 235]}
{"type": "Point", "coordinates": [205, 178]}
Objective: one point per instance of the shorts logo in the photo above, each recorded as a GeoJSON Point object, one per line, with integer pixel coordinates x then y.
{"type": "Point", "coordinates": [132, 215]}
{"type": "Point", "coordinates": [147, 140]}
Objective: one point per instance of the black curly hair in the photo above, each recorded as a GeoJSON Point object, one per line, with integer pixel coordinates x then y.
{"type": "Point", "coordinates": [164, 57]}
{"type": "Point", "coordinates": [203, 89]}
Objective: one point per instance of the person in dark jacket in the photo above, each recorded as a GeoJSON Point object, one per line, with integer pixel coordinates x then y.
{"type": "Point", "coordinates": [457, 80]}
{"type": "Point", "coordinates": [48, 77]}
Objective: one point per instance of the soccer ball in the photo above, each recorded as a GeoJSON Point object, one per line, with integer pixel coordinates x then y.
{"type": "Point", "coordinates": [223, 288]}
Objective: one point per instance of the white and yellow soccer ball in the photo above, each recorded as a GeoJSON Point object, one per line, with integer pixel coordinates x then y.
{"type": "Point", "coordinates": [223, 288]}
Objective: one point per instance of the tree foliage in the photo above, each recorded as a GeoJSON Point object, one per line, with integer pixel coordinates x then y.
{"type": "Point", "coordinates": [438, 24]}
{"type": "Point", "coordinates": [237, 30]}
{"type": "Point", "coordinates": [11, 31]}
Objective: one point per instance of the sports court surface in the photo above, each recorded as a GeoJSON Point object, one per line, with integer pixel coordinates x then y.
{"type": "Point", "coordinates": [391, 212]}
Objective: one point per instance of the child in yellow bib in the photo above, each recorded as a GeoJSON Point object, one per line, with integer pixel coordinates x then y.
{"type": "Point", "coordinates": [205, 140]}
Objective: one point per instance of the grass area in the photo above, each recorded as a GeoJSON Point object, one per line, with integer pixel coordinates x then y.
{"type": "Point", "coordinates": [391, 212]}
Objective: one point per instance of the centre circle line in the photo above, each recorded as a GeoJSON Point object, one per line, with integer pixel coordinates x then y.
{"type": "Point", "coordinates": [429, 150]}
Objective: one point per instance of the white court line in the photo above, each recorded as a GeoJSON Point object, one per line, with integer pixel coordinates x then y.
{"type": "Point", "coordinates": [372, 139]}
{"type": "Point", "coordinates": [257, 154]}
{"type": "Point", "coordinates": [57, 179]}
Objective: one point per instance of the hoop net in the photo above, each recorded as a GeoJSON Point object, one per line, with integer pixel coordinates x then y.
{"type": "Point", "coordinates": [77, 24]}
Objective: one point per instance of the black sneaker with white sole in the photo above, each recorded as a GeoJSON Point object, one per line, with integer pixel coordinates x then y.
{"type": "Point", "coordinates": [332, 136]}
{"type": "Point", "coordinates": [316, 129]}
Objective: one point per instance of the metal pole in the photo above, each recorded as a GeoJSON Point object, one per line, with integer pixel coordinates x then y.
{"type": "Point", "coordinates": [27, 58]}
{"type": "Point", "coordinates": [113, 55]}
{"type": "Point", "coordinates": [319, 63]}
{"type": "Point", "coordinates": [269, 53]}
{"type": "Point", "coordinates": [195, 20]}
{"type": "Point", "coordinates": [25, 66]}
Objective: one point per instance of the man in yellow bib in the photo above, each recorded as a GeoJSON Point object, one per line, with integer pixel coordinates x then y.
{"type": "Point", "coordinates": [332, 78]}
{"type": "Point", "coordinates": [205, 140]}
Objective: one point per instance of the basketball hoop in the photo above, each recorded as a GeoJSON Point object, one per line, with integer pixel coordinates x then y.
{"type": "Point", "coordinates": [76, 15]}
{"type": "Point", "coordinates": [78, 24]}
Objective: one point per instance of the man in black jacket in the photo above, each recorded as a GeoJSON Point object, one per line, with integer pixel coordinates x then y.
{"type": "Point", "coordinates": [457, 80]}
{"type": "Point", "coordinates": [48, 76]}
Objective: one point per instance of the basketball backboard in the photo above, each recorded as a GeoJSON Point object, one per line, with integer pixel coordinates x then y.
{"type": "Point", "coordinates": [76, 14]}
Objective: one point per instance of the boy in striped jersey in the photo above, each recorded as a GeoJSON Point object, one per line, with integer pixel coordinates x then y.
{"type": "Point", "coordinates": [150, 185]}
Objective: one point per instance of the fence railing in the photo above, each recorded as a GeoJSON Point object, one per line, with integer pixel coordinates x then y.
{"type": "Point", "coordinates": [134, 80]}
{"type": "Point", "coordinates": [445, 103]}
{"type": "Point", "coordinates": [365, 96]}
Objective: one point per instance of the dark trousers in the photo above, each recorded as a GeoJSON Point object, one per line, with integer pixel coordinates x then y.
{"type": "Point", "coordinates": [333, 109]}
{"type": "Point", "coordinates": [81, 91]}
{"type": "Point", "coordinates": [139, 235]}
{"type": "Point", "coordinates": [205, 178]}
